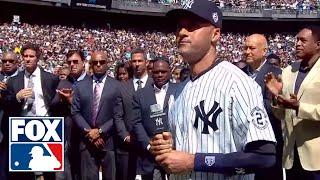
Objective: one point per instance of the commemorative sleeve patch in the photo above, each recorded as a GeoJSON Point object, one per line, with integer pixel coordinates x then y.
{"type": "Point", "coordinates": [259, 118]}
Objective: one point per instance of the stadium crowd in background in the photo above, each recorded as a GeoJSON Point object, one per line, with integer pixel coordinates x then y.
{"type": "Point", "coordinates": [116, 86]}
{"type": "Point", "coordinates": [56, 41]}
{"type": "Point", "coordinates": [300, 6]}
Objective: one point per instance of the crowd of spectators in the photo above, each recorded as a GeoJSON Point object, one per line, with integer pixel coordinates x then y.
{"type": "Point", "coordinates": [300, 6]}
{"type": "Point", "coordinates": [57, 40]}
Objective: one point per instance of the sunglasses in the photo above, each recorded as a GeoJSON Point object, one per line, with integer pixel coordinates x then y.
{"type": "Point", "coordinates": [102, 62]}
{"type": "Point", "coordinates": [4, 61]}
{"type": "Point", "coordinates": [73, 61]}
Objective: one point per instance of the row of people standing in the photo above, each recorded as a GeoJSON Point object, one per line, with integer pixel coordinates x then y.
{"type": "Point", "coordinates": [102, 126]}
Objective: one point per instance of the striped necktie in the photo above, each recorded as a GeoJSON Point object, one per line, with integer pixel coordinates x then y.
{"type": "Point", "coordinates": [96, 100]}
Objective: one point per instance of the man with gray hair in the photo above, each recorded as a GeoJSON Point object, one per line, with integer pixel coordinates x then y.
{"type": "Point", "coordinates": [255, 55]}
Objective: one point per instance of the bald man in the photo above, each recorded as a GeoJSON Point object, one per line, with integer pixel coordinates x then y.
{"type": "Point", "coordinates": [9, 69]}
{"type": "Point", "coordinates": [255, 53]}
{"type": "Point", "coordinates": [97, 103]}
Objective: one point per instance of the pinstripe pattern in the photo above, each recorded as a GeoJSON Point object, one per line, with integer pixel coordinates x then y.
{"type": "Point", "coordinates": [243, 118]}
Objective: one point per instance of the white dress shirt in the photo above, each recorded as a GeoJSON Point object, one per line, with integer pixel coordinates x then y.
{"type": "Point", "coordinates": [143, 82]}
{"type": "Point", "coordinates": [161, 94]}
{"type": "Point", "coordinates": [102, 82]}
{"type": "Point", "coordinates": [41, 109]}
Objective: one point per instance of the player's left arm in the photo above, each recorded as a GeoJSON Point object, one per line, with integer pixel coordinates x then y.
{"type": "Point", "coordinates": [256, 156]}
{"type": "Point", "coordinates": [257, 137]}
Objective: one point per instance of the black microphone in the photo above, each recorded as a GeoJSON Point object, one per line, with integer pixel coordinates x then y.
{"type": "Point", "coordinates": [158, 119]}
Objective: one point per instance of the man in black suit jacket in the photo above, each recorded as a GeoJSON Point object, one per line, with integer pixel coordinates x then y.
{"type": "Point", "coordinates": [21, 100]}
{"type": "Point", "coordinates": [44, 89]}
{"type": "Point", "coordinates": [97, 103]}
{"type": "Point", "coordinates": [62, 102]}
{"type": "Point", "coordinates": [255, 55]}
{"type": "Point", "coordinates": [127, 164]}
{"type": "Point", "coordinates": [157, 94]}
{"type": "Point", "coordinates": [9, 69]}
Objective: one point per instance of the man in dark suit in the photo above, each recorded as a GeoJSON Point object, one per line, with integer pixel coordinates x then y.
{"type": "Point", "coordinates": [62, 101]}
{"type": "Point", "coordinates": [97, 103]}
{"type": "Point", "coordinates": [9, 69]}
{"type": "Point", "coordinates": [255, 51]}
{"type": "Point", "coordinates": [127, 165]}
{"type": "Point", "coordinates": [144, 126]}
{"type": "Point", "coordinates": [30, 93]}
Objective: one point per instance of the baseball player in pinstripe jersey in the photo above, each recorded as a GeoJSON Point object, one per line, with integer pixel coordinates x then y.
{"type": "Point", "coordinates": [219, 124]}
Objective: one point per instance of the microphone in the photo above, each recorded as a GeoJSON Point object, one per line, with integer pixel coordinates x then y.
{"type": "Point", "coordinates": [158, 119]}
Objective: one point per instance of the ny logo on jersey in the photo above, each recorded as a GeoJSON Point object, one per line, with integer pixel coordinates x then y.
{"type": "Point", "coordinates": [201, 114]}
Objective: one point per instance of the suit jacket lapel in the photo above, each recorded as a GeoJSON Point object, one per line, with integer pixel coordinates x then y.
{"type": "Point", "coordinates": [166, 99]}
{"type": "Point", "coordinates": [44, 87]}
{"type": "Point", "coordinates": [308, 79]}
{"type": "Point", "coordinates": [90, 91]}
{"type": "Point", "coordinates": [152, 95]}
{"type": "Point", "coordinates": [131, 86]}
{"type": "Point", "coordinates": [149, 82]}
{"type": "Point", "coordinates": [260, 76]}
{"type": "Point", "coordinates": [20, 85]}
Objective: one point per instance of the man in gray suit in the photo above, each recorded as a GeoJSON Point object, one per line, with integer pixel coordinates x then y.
{"type": "Point", "coordinates": [127, 151]}
{"type": "Point", "coordinates": [96, 105]}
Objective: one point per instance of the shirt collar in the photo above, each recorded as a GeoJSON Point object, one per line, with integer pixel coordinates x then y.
{"type": "Point", "coordinates": [12, 75]}
{"type": "Point", "coordinates": [81, 77]}
{"type": "Point", "coordinates": [252, 71]}
{"type": "Point", "coordinates": [259, 68]}
{"type": "Point", "coordinates": [164, 87]}
{"type": "Point", "coordinates": [217, 61]}
{"type": "Point", "coordinates": [36, 72]}
{"type": "Point", "coordinates": [143, 79]}
{"type": "Point", "coordinates": [101, 80]}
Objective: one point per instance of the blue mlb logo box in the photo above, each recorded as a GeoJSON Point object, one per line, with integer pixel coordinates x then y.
{"type": "Point", "coordinates": [36, 144]}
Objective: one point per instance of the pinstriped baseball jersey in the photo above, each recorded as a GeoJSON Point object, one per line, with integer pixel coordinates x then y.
{"type": "Point", "coordinates": [219, 112]}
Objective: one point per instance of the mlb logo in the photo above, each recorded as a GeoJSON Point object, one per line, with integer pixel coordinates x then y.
{"type": "Point", "coordinates": [36, 144]}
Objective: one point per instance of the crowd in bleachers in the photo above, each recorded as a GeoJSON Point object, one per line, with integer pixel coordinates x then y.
{"type": "Point", "coordinates": [57, 40]}
{"type": "Point", "coordinates": [300, 6]}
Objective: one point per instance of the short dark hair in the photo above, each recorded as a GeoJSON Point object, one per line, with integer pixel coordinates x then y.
{"type": "Point", "coordinates": [137, 51]}
{"type": "Point", "coordinates": [315, 29]}
{"type": "Point", "coordinates": [273, 56]}
{"type": "Point", "coordinates": [164, 59]}
{"type": "Point", "coordinates": [31, 46]}
{"type": "Point", "coordinates": [79, 52]}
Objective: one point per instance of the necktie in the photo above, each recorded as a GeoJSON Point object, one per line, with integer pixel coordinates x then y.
{"type": "Point", "coordinates": [96, 100]}
{"type": "Point", "coordinates": [31, 108]}
{"type": "Point", "coordinates": [139, 82]}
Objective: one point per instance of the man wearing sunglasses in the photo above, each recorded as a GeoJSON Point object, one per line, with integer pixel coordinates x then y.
{"type": "Point", "coordinates": [30, 93]}
{"type": "Point", "coordinates": [9, 69]}
{"type": "Point", "coordinates": [62, 101]}
{"type": "Point", "coordinates": [96, 104]}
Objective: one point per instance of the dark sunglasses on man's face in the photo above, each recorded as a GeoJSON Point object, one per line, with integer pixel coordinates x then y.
{"type": "Point", "coordinates": [4, 61]}
{"type": "Point", "coordinates": [73, 61]}
{"type": "Point", "coordinates": [102, 62]}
